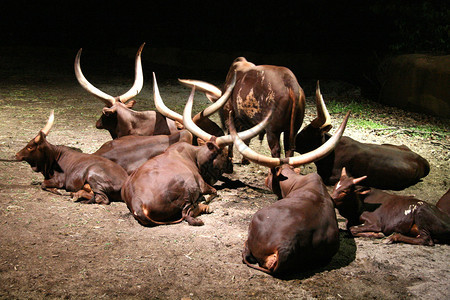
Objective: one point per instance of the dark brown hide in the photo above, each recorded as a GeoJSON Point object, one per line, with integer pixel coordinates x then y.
{"type": "Point", "coordinates": [64, 168]}
{"type": "Point", "coordinates": [167, 188]}
{"type": "Point", "coordinates": [386, 166]}
{"type": "Point", "coordinates": [130, 152]}
{"type": "Point", "coordinates": [444, 203]}
{"type": "Point", "coordinates": [257, 89]}
{"type": "Point", "coordinates": [374, 213]}
{"type": "Point", "coordinates": [297, 232]}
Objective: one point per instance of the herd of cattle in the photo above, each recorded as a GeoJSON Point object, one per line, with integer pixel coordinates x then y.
{"type": "Point", "coordinates": [163, 165]}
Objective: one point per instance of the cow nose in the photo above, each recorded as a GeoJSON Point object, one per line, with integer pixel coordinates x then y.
{"type": "Point", "coordinates": [19, 157]}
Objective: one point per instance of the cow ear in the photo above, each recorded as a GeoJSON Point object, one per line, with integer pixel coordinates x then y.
{"type": "Point", "coordinates": [200, 142]}
{"type": "Point", "coordinates": [130, 104]}
{"type": "Point", "coordinates": [326, 128]}
{"type": "Point", "coordinates": [40, 138]}
{"type": "Point", "coordinates": [212, 146]}
{"type": "Point", "coordinates": [107, 111]}
{"type": "Point", "coordinates": [363, 190]}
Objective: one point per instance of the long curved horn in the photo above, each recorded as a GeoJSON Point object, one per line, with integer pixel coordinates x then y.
{"type": "Point", "coordinates": [218, 104]}
{"type": "Point", "coordinates": [323, 117]}
{"type": "Point", "coordinates": [293, 161]}
{"type": "Point", "coordinates": [211, 91]}
{"type": "Point", "coordinates": [138, 78]}
{"type": "Point", "coordinates": [107, 99]}
{"type": "Point", "coordinates": [323, 150]}
{"type": "Point", "coordinates": [223, 140]}
{"type": "Point", "coordinates": [161, 107]}
{"type": "Point", "coordinates": [247, 134]}
{"type": "Point", "coordinates": [47, 126]}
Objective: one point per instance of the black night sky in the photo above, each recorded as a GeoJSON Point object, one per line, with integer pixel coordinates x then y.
{"type": "Point", "coordinates": [275, 28]}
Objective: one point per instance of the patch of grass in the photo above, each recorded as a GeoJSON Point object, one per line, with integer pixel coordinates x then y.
{"type": "Point", "coordinates": [365, 124]}
{"type": "Point", "coordinates": [338, 107]}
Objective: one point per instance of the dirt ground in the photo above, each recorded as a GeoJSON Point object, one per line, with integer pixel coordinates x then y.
{"type": "Point", "coordinates": [51, 247]}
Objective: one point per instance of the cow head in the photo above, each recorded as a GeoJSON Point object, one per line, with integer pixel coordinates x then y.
{"type": "Point", "coordinates": [116, 108]}
{"type": "Point", "coordinates": [314, 134]}
{"type": "Point", "coordinates": [346, 198]}
{"type": "Point", "coordinates": [211, 156]}
{"type": "Point", "coordinates": [36, 153]}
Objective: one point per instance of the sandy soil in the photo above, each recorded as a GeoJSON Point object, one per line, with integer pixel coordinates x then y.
{"type": "Point", "coordinates": [51, 247]}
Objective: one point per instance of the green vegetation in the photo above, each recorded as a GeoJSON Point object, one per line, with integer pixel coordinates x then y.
{"type": "Point", "coordinates": [364, 117]}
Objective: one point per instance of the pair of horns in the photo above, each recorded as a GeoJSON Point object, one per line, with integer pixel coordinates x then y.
{"type": "Point", "coordinates": [322, 120]}
{"type": "Point", "coordinates": [108, 99]}
{"type": "Point", "coordinates": [189, 122]}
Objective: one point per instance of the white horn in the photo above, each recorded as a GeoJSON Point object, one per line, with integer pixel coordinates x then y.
{"type": "Point", "coordinates": [107, 99]}
{"type": "Point", "coordinates": [138, 78]}
{"type": "Point", "coordinates": [161, 107]}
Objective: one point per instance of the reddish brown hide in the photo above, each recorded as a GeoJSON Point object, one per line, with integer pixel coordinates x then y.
{"type": "Point", "coordinates": [374, 213]}
{"type": "Point", "coordinates": [65, 168]}
{"type": "Point", "coordinates": [167, 189]}
{"type": "Point", "coordinates": [257, 89]}
{"type": "Point", "coordinates": [299, 231]}
{"type": "Point", "coordinates": [130, 152]}
{"type": "Point", "coordinates": [387, 166]}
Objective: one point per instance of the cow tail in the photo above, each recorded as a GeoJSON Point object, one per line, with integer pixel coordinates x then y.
{"type": "Point", "coordinates": [247, 253]}
{"type": "Point", "coordinates": [145, 219]}
{"type": "Point", "coordinates": [292, 125]}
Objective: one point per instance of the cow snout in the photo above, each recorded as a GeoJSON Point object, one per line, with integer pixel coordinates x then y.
{"type": "Point", "coordinates": [19, 156]}
{"type": "Point", "coordinates": [99, 124]}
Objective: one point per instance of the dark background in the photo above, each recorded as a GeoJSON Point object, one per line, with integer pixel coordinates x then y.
{"type": "Point", "coordinates": [334, 30]}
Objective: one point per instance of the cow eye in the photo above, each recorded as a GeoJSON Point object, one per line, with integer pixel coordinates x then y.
{"type": "Point", "coordinates": [30, 148]}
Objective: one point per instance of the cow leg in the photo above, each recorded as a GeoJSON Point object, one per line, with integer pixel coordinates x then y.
{"type": "Point", "coordinates": [422, 239]}
{"type": "Point", "coordinates": [201, 209]}
{"type": "Point", "coordinates": [244, 160]}
{"type": "Point", "coordinates": [82, 194]}
{"type": "Point", "coordinates": [369, 228]}
{"type": "Point", "coordinates": [288, 151]}
{"type": "Point", "coordinates": [53, 184]}
{"type": "Point", "coordinates": [273, 139]}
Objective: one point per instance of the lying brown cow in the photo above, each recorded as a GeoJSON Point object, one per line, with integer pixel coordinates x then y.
{"type": "Point", "coordinates": [300, 230]}
{"type": "Point", "coordinates": [117, 116]}
{"type": "Point", "coordinates": [387, 166]}
{"type": "Point", "coordinates": [167, 188]}
{"type": "Point", "coordinates": [65, 168]}
{"type": "Point", "coordinates": [405, 218]}
{"type": "Point", "coordinates": [257, 89]}
{"type": "Point", "coordinates": [132, 151]}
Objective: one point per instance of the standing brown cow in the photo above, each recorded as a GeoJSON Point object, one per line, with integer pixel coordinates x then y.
{"type": "Point", "coordinates": [65, 168]}
{"type": "Point", "coordinates": [300, 230]}
{"type": "Point", "coordinates": [257, 89]}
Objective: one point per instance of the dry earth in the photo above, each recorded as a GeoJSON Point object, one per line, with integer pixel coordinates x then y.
{"type": "Point", "coordinates": [51, 247]}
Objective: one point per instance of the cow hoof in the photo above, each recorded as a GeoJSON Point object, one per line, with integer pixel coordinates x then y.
{"type": "Point", "coordinates": [194, 221]}
{"type": "Point", "coordinates": [390, 239]}
{"type": "Point", "coordinates": [210, 198]}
